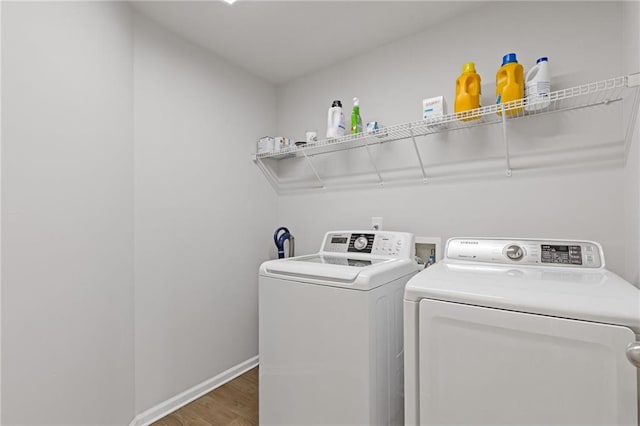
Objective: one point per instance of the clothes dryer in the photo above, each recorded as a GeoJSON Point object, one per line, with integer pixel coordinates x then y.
{"type": "Point", "coordinates": [521, 332]}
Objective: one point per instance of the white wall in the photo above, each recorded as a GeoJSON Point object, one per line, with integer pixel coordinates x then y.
{"type": "Point", "coordinates": [631, 28]}
{"type": "Point", "coordinates": [391, 82]}
{"type": "Point", "coordinates": [67, 214]}
{"type": "Point", "coordinates": [203, 215]}
{"type": "Point", "coordinates": [0, 214]}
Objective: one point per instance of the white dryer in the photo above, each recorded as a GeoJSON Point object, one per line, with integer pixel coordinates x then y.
{"type": "Point", "coordinates": [521, 332]}
{"type": "Point", "coordinates": [331, 332]}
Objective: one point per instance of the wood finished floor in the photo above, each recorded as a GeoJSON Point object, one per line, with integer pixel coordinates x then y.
{"type": "Point", "coordinates": [233, 404]}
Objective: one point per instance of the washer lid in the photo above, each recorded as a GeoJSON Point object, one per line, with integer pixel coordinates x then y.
{"type": "Point", "coordinates": [354, 272]}
{"type": "Point", "coordinates": [339, 260]}
{"type": "Point", "coordinates": [591, 295]}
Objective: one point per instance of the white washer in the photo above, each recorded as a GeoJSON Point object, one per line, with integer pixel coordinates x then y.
{"type": "Point", "coordinates": [331, 331]}
{"type": "Point", "coordinates": [521, 332]}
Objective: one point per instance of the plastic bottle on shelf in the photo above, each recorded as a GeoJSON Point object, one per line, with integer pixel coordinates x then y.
{"type": "Point", "coordinates": [538, 85]}
{"type": "Point", "coordinates": [356, 120]}
{"type": "Point", "coordinates": [467, 91]}
{"type": "Point", "coordinates": [510, 82]}
{"type": "Point", "coordinates": [335, 120]}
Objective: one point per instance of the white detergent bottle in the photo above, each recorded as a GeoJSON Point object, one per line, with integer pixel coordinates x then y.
{"type": "Point", "coordinates": [335, 121]}
{"type": "Point", "coordinates": [538, 85]}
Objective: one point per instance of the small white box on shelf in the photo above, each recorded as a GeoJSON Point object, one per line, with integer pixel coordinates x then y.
{"type": "Point", "coordinates": [281, 143]}
{"type": "Point", "coordinates": [433, 108]}
{"type": "Point", "coordinates": [265, 145]}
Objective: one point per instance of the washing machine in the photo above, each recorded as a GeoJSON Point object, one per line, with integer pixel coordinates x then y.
{"type": "Point", "coordinates": [330, 332]}
{"type": "Point", "coordinates": [521, 332]}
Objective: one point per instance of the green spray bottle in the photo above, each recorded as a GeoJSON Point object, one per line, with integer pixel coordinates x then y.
{"type": "Point", "coordinates": [356, 120]}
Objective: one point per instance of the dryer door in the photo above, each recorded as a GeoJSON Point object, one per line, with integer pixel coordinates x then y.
{"type": "Point", "coordinates": [494, 367]}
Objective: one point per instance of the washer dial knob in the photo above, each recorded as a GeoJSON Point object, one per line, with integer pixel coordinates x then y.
{"type": "Point", "coordinates": [361, 243]}
{"type": "Point", "coordinates": [514, 252]}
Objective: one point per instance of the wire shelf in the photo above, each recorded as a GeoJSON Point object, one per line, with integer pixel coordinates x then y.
{"type": "Point", "coordinates": [587, 95]}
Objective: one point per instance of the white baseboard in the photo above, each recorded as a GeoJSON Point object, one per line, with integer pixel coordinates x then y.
{"type": "Point", "coordinates": [172, 404]}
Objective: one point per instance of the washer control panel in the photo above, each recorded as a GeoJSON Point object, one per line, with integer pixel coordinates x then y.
{"type": "Point", "coordinates": [575, 254]}
{"type": "Point", "coordinates": [377, 243]}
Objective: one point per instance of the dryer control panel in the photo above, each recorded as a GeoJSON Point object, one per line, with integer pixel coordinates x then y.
{"type": "Point", "coordinates": [376, 243]}
{"type": "Point", "coordinates": [574, 254]}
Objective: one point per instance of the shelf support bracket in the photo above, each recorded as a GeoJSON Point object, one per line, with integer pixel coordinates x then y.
{"type": "Point", "coordinates": [506, 139]}
{"type": "Point", "coordinates": [313, 169]}
{"type": "Point", "coordinates": [415, 146]}
{"type": "Point", "coordinates": [373, 163]}
{"type": "Point", "coordinates": [631, 124]}
{"type": "Point", "coordinates": [269, 174]}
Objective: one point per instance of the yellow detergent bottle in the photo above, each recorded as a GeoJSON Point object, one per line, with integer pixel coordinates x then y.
{"type": "Point", "coordinates": [467, 91]}
{"type": "Point", "coordinates": [510, 82]}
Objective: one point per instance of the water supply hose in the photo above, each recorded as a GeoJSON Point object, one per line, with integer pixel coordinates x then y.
{"type": "Point", "coordinates": [279, 237]}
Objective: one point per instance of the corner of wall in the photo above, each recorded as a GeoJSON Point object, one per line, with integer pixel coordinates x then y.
{"type": "Point", "coordinates": [193, 142]}
{"type": "Point", "coordinates": [0, 214]}
{"type": "Point", "coordinates": [631, 38]}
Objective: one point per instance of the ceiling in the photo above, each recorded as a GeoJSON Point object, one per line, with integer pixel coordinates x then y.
{"type": "Point", "coordinates": [282, 40]}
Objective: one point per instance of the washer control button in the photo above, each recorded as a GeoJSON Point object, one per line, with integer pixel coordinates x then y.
{"type": "Point", "coordinates": [361, 243]}
{"type": "Point", "coordinates": [514, 252]}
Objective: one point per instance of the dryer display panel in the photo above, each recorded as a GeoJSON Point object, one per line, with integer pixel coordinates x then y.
{"type": "Point", "coordinates": [570, 255]}
{"type": "Point", "coordinates": [550, 253]}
